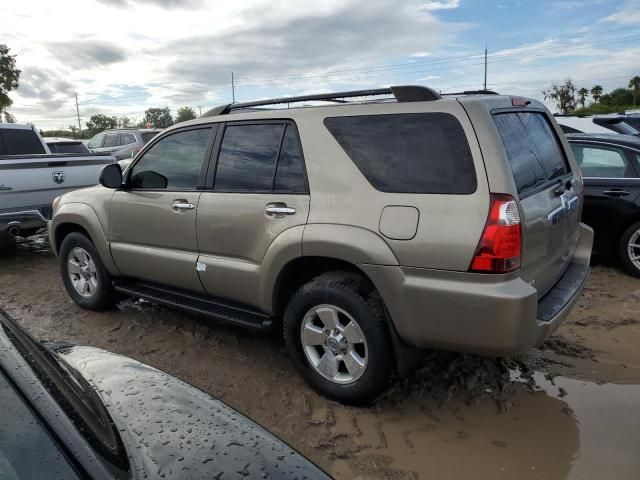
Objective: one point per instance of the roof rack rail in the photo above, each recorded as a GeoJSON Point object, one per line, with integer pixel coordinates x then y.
{"type": "Point", "coordinates": [473, 92]}
{"type": "Point", "coordinates": [402, 93]}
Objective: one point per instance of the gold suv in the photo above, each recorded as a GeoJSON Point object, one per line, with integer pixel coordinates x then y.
{"type": "Point", "coordinates": [387, 221]}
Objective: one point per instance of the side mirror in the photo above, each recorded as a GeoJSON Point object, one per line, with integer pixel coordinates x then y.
{"type": "Point", "coordinates": [111, 176]}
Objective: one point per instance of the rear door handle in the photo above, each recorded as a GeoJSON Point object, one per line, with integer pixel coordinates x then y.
{"type": "Point", "coordinates": [182, 205]}
{"type": "Point", "coordinates": [279, 209]}
{"type": "Point", "coordinates": [616, 193]}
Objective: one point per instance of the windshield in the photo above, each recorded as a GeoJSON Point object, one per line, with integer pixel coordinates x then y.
{"type": "Point", "coordinates": [74, 395]}
{"type": "Point", "coordinates": [26, 448]}
{"type": "Point", "coordinates": [71, 147]}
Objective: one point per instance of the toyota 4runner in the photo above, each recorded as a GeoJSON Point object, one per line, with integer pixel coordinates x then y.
{"type": "Point", "coordinates": [365, 229]}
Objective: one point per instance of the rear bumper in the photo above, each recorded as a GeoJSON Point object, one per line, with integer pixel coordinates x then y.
{"type": "Point", "coordinates": [23, 220]}
{"type": "Point", "coordinates": [478, 313]}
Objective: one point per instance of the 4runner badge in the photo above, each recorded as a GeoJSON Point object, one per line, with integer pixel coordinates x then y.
{"type": "Point", "coordinates": [58, 177]}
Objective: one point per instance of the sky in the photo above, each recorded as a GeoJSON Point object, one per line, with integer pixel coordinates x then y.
{"type": "Point", "coordinates": [123, 56]}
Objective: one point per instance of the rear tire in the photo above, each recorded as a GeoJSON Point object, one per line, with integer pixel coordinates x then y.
{"type": "Point", "coordinates": [336, 333]}
{"type": "Point", "coordinates": [84, 276]}
{"type": "Point", "coordinates": [630, 254]}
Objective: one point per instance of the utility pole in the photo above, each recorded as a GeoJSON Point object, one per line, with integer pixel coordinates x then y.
{"type": "Point", "coordinates": [485, 66]}
{"type": "Point", "coordinates": [233, 90]}
{"type": "Point", "coordinates": [78, 112]}
{"type": "Point", "coordinates": [200, 109]}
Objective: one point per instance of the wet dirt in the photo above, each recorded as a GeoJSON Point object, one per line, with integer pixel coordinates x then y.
{"type": "Point", "coordinates": [566, 410]}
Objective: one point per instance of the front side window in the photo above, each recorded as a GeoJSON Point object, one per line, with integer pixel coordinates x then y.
{"type": "Point", "coordinates": [409, 152]}
{"type": "Point", "coordinates": [603, 162]}
{"type": "Point", "coordinates": [174, 162]}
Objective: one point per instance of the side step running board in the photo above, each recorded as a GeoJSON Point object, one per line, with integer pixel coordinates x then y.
{"type": "Point", "coordinates": [193, 302]}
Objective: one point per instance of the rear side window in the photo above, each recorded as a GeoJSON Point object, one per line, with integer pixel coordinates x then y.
{"type": "Point", "coordinates": [146, 136]}
{"type": "Point", "coordinates": [111, 140]}
{"type": "Point", "coordinates": [21, 142]}
{"type": "Point", "coordinates": [532, 148]}
{"type": "Point", "coordinates": [290, 170]}
{"type": "Point", "coordinates": [603, 162]}
{"type": "Point", "coordinates": [408, 153]}
{"type": "Point", "coordinates": [248, 157]}
{"type": "Point", "coordinates": [127, 139]}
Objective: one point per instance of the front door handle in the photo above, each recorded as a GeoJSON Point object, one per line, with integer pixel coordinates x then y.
{"type": "Point", "coordinates": [616, 193]}
{"type": "Point", "coordinates": [279, 209]}
{"type": "Point", "coordinates": [182, 205]}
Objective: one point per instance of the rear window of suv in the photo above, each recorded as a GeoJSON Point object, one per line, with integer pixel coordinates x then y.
{"type": "Point", "coordinates": [408, 153]}
{"type": "Point", "coordinates": [532, 147]}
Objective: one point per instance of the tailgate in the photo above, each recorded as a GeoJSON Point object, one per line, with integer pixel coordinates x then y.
{"type": "Point", "coordinates": [33, 181]}
{"type": "Point", "coordinates": [549, 190]}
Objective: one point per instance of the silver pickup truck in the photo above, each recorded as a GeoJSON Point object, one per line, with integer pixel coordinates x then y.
{"type": "Point", "coordinates": [31, 177]}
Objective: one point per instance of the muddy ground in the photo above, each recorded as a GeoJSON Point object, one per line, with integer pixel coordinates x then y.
{"type": "Point", "coordinates": [567, 410]}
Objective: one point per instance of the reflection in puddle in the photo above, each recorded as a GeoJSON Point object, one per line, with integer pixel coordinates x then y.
{"type": "Point", "coordinates": [569, 429]}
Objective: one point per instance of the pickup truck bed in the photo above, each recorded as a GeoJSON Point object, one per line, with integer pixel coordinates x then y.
{"type": "Point", "coordinates": [29, 183]}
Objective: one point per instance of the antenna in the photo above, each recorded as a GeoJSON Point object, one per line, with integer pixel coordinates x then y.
{"type": "Point", "coordinates": [78, 112]}
{"type": "Point", "coordinates": [485, 66]}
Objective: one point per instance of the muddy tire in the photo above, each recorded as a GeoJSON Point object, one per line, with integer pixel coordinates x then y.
{"type": "Point", "coordinates": [629, 249]}
{"type": "Point", "coordinates": [84, 276]}
{"type": "Point", "coordinates": [336, 333]}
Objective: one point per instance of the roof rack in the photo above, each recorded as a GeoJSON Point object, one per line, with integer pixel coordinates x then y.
{"type": "Point", "coordinates": [403, 93]}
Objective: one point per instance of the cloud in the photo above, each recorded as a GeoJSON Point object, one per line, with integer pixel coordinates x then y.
{"type": "Point", "coordinates": [170, 4]}
{"type": "Point", "coordinates": [87, 53]}
{"type": "Point", "coordinates": [440, 5]}
{"type": "Point", "coordinates": [629, 14]}
{"type": "Point", "coordinates": [317, 41]}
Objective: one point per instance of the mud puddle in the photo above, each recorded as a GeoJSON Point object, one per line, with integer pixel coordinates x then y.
{"type": "Point", "coordinates": [568, 410]}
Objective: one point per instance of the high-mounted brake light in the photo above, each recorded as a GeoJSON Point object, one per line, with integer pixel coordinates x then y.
{"type": "Point", "coordinates": [520, 102]}
{"type": "Point", "coordinates": [500, 247]}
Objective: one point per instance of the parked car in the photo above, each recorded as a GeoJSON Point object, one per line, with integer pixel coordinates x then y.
{"type": "Point", "coordinates": [601, 124]}
{"type": "Point", "coordinates": [31, 177]}
{"type": "Point", "coordinates": [122, 143]}
{"type": "Point", "coordinates": [610, 166]}
{"type": "Point", "coordinates": [365, 229]}
{"type": "Point", "coordinates": [71, 412]}
{"type": "Point", "coordinates": [65, 145]}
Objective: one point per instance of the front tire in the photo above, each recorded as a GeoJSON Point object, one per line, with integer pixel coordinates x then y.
{"type": "Point", "coordinates": [84, 276]}
{"type": "Point", "coordinates": [336, 333]}
{"type": "Point", "coordinates": [629, 249]}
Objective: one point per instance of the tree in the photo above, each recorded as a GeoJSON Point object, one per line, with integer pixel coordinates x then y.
{"type": "Point", "coordinates": [157, 117]}
{"type": "Point", "coordinates": [9, 118]}
{"type": "Point", "coordinates": [562, 95]}
{"type": "Point", "coordinates": [634, 85]}
{"type": "Point", "coordinates": [620, 97]}
{"type": "Point", "coordinates": [123, 121]}
{"type": "Point", "coordinates": [98, 123]}
{"type": "Point", "coordinates": [582, 96]}
{"type": "Point", "coordinates": [596, 92]}
{"type": "Point", "coordinates": [184, 114]}
{"type": "Point", "coordinates": [9, 77]}
{"type": "Point", "coordinates": [73, 129]}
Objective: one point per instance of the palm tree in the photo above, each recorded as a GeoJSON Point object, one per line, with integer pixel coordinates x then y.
{"type": "Point", "coordinates": [582, 96]}
{"type": "Point", "coordinates": [596, 93]}
{"type": "Point", "coordinates": [634, 84]}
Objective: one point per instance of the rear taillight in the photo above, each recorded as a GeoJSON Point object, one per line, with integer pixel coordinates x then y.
{"type": "Point", "coordinates": [500, 246]}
